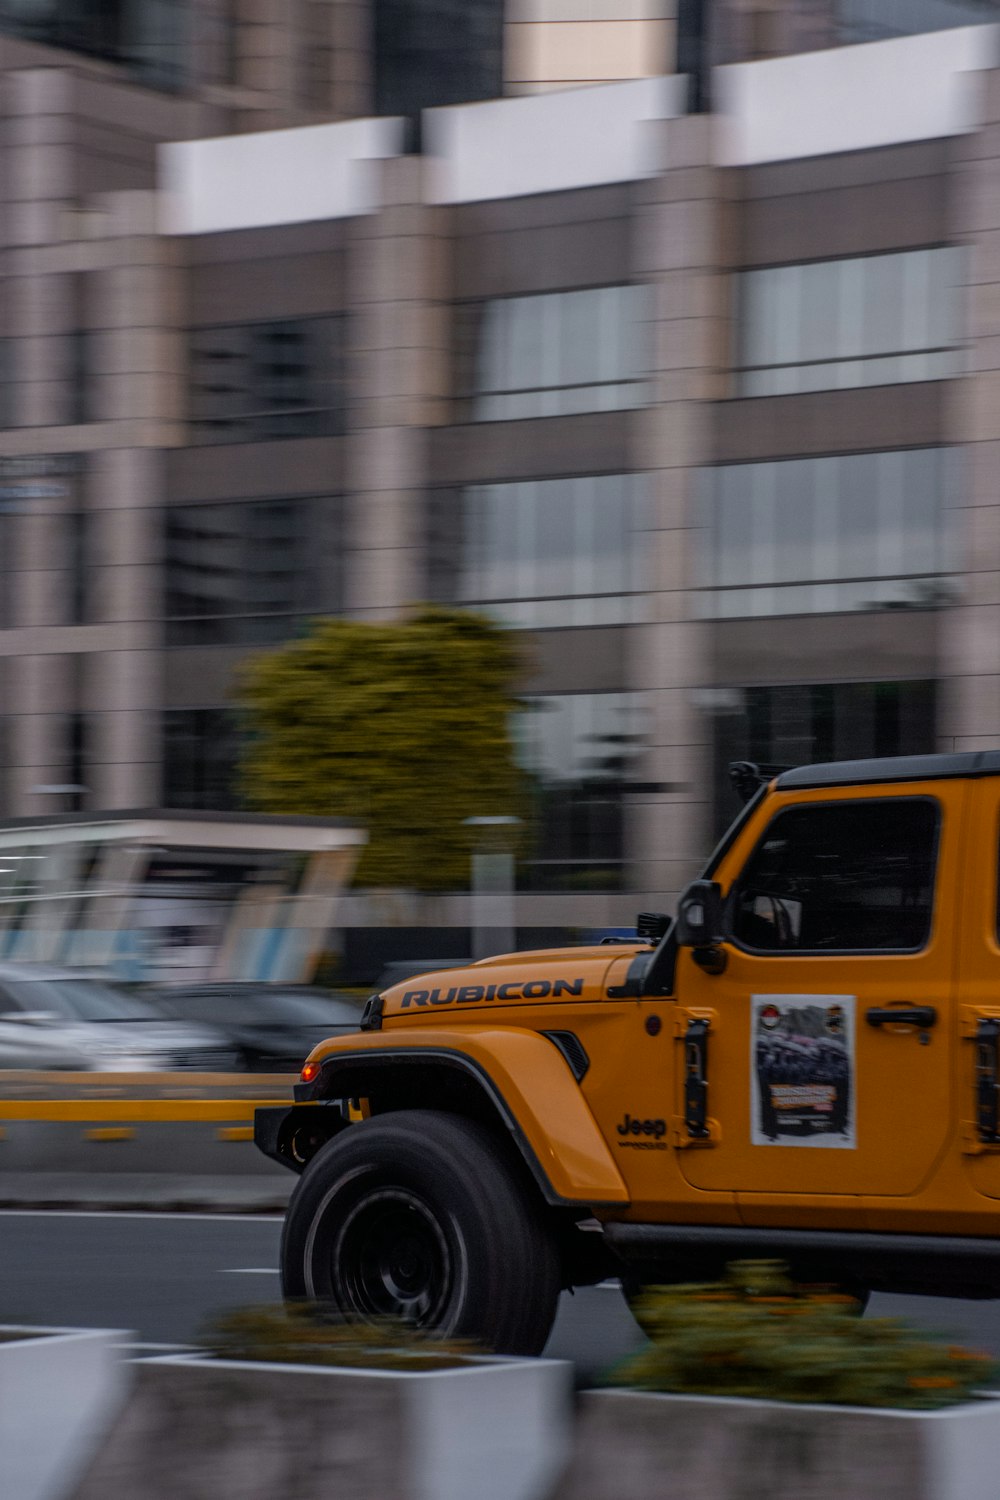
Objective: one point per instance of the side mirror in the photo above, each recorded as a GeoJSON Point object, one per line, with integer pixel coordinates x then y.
{"type": "Point", "coordinates": [699, 915]}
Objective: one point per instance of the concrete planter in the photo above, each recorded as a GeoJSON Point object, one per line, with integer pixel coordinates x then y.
{"type": "Point", "coordinates": [659, 1447]}
{"type": "Point", "coordinates": [60, 1391]}
{"type": "Point", "coordinates": [496, 1430]}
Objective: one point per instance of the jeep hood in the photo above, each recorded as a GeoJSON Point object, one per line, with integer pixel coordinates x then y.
{"type": "Point", "coordinates": [536, 978]}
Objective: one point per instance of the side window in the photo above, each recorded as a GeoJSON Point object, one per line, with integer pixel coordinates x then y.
{"type": "Point", "coordinates": [841, 877]}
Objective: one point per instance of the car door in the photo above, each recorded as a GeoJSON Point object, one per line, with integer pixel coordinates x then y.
{"type": "Point", "coordinates": [840, 911]}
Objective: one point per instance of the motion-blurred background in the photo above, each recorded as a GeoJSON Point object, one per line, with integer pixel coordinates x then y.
{"type": "Point", "coordinates": [436, 438]}
{"type": "Point", "coordinates": [662, 333]}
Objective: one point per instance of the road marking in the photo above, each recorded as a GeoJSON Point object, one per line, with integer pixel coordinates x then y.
{"type": "Point", "coordinates": [609, 1286]}
{"type": "Point", "coordinates": [248, 1271]}
{"type": "Point", "coordinates": [176, 1349]}
{"type": "Point", "coordinates": [236, 1217]}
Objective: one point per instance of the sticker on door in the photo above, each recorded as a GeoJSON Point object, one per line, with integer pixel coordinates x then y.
{"type": "Point", "coordinates": [802, 1071]}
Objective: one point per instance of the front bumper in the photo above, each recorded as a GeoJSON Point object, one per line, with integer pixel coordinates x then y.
{"type": "Point", "coordinates": [292, 1134]}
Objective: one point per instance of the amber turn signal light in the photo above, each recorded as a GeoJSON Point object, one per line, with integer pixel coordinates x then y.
{"type": "Point", "coordinates": [309, 1072]}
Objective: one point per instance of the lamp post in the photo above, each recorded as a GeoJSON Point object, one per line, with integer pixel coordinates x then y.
{"type": "Point", "coordinates": [493, 917]}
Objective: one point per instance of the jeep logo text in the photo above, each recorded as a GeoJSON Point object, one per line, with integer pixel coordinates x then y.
{"type": "Point", "coordinates": [630, 1126]}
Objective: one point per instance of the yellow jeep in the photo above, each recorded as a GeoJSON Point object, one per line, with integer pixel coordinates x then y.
{"type": "Point", "coordinates": [803, 1064]}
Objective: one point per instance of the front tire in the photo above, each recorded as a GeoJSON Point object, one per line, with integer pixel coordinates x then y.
{"type": "Point", "coordinates": [420, 1215]}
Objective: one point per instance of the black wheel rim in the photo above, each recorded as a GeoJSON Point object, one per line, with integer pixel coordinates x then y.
{"type": "Point", "coordinates": [391, 1259]}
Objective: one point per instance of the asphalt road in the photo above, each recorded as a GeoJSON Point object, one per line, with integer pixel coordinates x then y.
{"type": "Point", "coordinates": [160, 1277]}
{"type": "Point", "coordinates": [163, 1276]}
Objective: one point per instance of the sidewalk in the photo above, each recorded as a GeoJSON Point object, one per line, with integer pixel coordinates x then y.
{"type": "Point", "coordinates": [154, 1191]}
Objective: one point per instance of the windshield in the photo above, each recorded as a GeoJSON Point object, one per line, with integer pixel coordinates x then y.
{"type": "Point", "coordinates": [74, 999]}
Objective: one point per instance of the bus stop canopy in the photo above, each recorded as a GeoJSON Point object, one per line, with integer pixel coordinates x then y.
{"type": "Point", "coordinates": [172, 895]}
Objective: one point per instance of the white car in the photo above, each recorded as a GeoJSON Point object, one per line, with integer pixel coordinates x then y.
{"type": "Point", "coordinates": [61, 1018]}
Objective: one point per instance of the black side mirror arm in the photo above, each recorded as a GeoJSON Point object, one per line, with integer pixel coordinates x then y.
{"type": "Point", "coordinates": [699, 915]}
{"type": "Point", "coordinates": [714, 960]}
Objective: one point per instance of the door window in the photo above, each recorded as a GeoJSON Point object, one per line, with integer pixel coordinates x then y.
{"type": "Point", "coordinates": [843, 877]}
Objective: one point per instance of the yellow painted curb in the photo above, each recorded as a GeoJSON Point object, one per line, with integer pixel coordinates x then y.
{"type": "Point", "coordinates": [147, 1110]}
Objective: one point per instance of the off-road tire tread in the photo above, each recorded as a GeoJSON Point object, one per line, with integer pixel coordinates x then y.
{"type": "Point", "coordinates": [514, 1270]}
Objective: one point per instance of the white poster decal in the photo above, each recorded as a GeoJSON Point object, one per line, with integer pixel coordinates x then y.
{"type": "Point", "coordinates": [802, 1071]}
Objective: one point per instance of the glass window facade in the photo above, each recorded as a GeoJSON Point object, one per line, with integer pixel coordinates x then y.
{"type": "Point", "coordinates": [47, 570]}
{"type": "Point", "coordinates": [807, 724]}
{"type": "Point", "coordinates": [252, 382]}
{"type": "Point", "coordinates": [201, 750]}
{"type": "Point", "coordinates": [823, 535]}
{"type": "Point", "coordinates": [150, 37]}
{"type": "Point", "coordinates": [8, 382]}
{"type": "Point", "coordinates": [580, 752]}
{"type": "Point", "coordinates": [867, 320]}
{"type": "Point", "coordinates": [434, 52]}
{"type": "Point", "coordinates": [554, 354]}
{"type": "Point", "coordinates": [80, 386]}
{"type": "Point", "coordinates": [543, 552]}
{"type": "Point", "coordinates": [9, 535]}
{"type": "Point", "coordinates": [873, 20]}
{"type": "Point", "coordinates": [248, 571]}
{"type": "Point", "coordinates": [78, 566]}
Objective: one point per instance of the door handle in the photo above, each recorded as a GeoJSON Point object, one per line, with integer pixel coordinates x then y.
{"type": "Point", "coordinates": [901, 1015]}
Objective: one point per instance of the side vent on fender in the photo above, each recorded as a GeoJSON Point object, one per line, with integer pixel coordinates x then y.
{"type": "Point", "coordinates": [573, 1051]}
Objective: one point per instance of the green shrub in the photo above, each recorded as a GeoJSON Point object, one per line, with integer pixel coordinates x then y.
{"type": "Point", "coordinates": [757, 1335]}
{"type": "Point", "coordinates": [308, 1334]}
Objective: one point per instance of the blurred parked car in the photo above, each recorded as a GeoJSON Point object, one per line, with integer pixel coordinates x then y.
{"type": "Point", "coordinates": [271, 1027]}
{"type": "Point", "coordinates": [399, 969]}
{"type": "Point", "coordinates": [61, 1018]}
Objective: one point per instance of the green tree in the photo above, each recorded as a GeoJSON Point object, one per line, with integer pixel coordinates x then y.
{"type": "Point", "coordinates": [405, 726]}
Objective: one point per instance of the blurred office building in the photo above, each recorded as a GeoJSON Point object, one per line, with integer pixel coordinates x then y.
{"type": "Point", "coordinates": [666, 332]}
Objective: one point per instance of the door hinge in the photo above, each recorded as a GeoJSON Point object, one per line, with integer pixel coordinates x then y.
{"type": "Point", "coordinates": [986, 1077]}
{"type": "Point", "coordinates": [694, 1127]}
{"type": "Point", "coordinates": [981, 1026]}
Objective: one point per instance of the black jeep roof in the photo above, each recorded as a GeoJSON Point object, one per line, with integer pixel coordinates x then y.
{"type": "Point", "coordinates": [893, 768]}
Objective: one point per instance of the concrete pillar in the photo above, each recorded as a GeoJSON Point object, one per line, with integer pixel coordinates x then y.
{"type": "Point", "coordinates": [352, 84]}
{"type": "Point", "coordinates": [271, 59]}
{"type": "Point", "coordinates": [397, 268]}
{"type": "Point", "coordinates": [578, 43]}
{"type": "Point", "coordinates": [139, 371]}
{"type": "Point", "coordinates": [680, 244]}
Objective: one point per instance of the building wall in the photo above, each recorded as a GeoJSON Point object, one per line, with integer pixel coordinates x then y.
{"type": "Point", "coordinates": [93, 327]}
{"type": "Point", "coordinates": [545, 321]}
{"type": "Point", "coordinates": [551, 44]}
{"type": "Point", "coordinates": [747, 30]}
